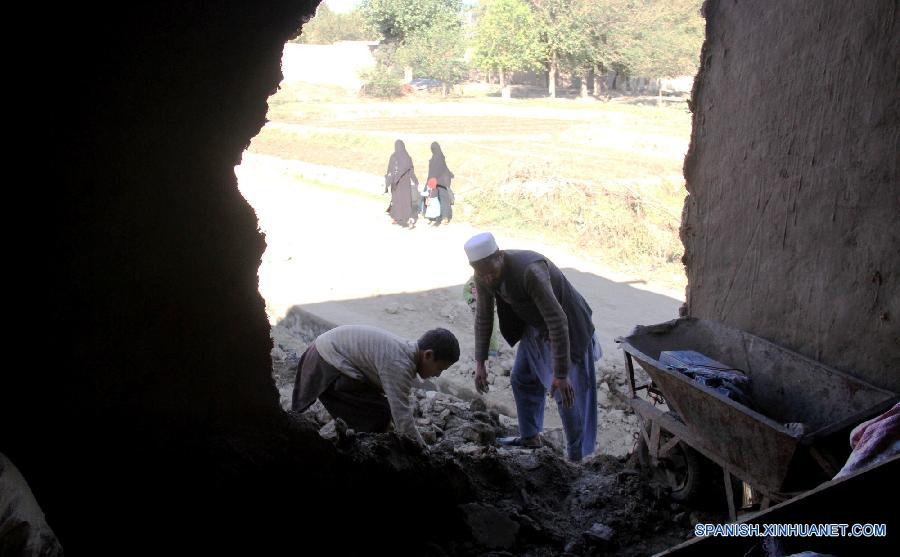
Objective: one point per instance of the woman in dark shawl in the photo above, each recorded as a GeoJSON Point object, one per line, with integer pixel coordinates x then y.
{"type": "Point", "coordinates": [402, 181]}
{"type": "Point", "coordinates": [437, 169]}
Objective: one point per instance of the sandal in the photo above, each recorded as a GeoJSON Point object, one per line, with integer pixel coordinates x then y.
{"type": "Point", "coordinates": [517, 442]}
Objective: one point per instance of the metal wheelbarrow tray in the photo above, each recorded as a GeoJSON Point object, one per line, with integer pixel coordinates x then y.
{"type": "Point", "coordinates": [751, 444]}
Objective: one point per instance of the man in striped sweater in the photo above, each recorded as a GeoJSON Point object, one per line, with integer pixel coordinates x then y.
{"type": "Point", "coordinates": [540, 310]}
{"type": "Point", "coordinates": [363, 375]}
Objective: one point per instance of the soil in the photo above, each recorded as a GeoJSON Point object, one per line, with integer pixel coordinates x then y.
{"type": "Point", "coordinates": [522, 501]}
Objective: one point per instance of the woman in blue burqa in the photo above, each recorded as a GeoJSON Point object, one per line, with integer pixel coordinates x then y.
{"type": "Point", "coordinates": [402, 181]}
{"type": "Point", "coordinates": [437, 169]}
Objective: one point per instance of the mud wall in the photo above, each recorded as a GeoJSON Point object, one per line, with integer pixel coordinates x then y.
{"type": "Point", "coordinates": [792, 224]}
{"type": "Point", "coordinates": [137, 397]}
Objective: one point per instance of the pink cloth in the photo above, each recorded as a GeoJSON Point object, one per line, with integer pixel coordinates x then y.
{"type": "Point", "coordinates": [873, 441]}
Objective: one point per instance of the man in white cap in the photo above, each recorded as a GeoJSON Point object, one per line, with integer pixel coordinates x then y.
{"type": "Point", "coordinates": [539, 309]}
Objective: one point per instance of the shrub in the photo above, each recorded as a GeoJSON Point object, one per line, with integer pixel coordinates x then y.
{"type": "Point", "coordinates": [381, 82]}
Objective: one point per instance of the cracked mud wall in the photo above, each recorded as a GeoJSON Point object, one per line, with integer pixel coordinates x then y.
{"type": "Point", "coordinates": [792, 223]}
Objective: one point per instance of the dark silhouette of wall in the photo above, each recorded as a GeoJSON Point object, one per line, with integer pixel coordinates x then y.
{"type": "Point", "coordinates": [792, 224]}
{"type": "Point", "coordinates": [143, 411]}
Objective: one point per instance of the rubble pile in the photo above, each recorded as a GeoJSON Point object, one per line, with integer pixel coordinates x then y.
{"type": "Point", "coordinates": [519, 501]}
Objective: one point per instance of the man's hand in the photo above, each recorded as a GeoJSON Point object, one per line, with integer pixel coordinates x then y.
{"type": "Point", "coordinates": [562, 385]}
{"type": "Point", "coordinates": [481, 384]}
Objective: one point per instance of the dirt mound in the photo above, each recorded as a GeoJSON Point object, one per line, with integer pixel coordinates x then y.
{"type": "Point", "coordinates": [517, 501]}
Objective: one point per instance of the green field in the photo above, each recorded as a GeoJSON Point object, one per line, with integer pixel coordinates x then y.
{"type": "Point", "coordinates": [603, 176]}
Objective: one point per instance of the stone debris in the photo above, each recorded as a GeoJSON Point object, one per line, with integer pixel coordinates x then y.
{"type": "Point", "coordinates": [599, 533]}
{"type": "Point", "coordinates": [515, 501]}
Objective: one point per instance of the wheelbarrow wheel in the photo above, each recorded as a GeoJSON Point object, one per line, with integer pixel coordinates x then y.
{"type": "Point", "coordinates": [683, 470]}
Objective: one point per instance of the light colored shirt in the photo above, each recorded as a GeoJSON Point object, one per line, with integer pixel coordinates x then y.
{"type": "Point", "coordinates": [378, 357]}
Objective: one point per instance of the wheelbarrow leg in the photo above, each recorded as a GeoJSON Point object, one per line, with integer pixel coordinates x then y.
{"type": "Point", "coordinates": [654, 442]}
{"type": "Point", "coordinates": [729, 495]}
{"type": "Point", "coordinates": [629, 367]}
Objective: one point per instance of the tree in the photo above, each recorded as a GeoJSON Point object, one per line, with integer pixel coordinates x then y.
{"type": "Point", "coordinates": [662, 38]}
{"type": "Point", "coordinates": [506, 38]}
{"type": "Point", "coordinates": [658, 38]}
{"type": "Point", "coordinates": [396, 19]}
{"type": "Point", "coordinates": [328, 27]}
{"type": "Point", "coordinates": [426, 36]}
{"type": "Point", "coordinates": [436, 51]}
{"type": "Point", "coordinates": [562, 31]}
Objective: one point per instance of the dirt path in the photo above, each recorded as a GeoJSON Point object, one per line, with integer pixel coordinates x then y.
{"type": "Point", "coordinates": [334, 253]}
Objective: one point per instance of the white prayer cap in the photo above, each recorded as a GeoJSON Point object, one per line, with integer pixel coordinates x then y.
{"type": "Point", "coordinates": [480, 246]}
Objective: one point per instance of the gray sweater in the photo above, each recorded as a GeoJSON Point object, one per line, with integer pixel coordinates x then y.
{"type": "Point", "coordinates": [539, 289]}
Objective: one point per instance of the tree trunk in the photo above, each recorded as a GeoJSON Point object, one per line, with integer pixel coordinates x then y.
{"type": "Point", "coordinates": [598, 82]}
{"type": "Point", "coordinates": [584, 84]}
{"type": "Point", "coordinates": [504, 87]}
{"type": "Point", "coordinates": [589, 78]}
{"type": "Point", "coordinates": [615, 78]}
{"type": "Point", "coordinates": [551, 81]}
{"type": "Point", "coordinates": [444, 89]}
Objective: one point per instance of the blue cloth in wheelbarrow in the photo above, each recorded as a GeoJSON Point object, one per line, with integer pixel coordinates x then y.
{"type": "Point", "coordinates": [729, 381]}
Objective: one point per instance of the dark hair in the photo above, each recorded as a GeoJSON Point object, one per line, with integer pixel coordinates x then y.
{"type": "Point", "coordinates": [444, 344]}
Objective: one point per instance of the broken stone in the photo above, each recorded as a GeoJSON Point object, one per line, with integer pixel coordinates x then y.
{"type": "Point", "coordinates": [428, 435]}
{"type": "Point", "coordinates": [392, 309]}
{"type": "Point", "coordinates": [490, 526]}
{"type": "Point", "coordinates": [508, 421]}
{"type": "Point", "coordinates": [453, 422]}
{"type": "Point", "coordinates": [599, 532]}
{"type": "Point", "coordinates": [477, 405]}
{"type": "Point", "coordinates": [478, 432]}
{"type": "Point", "coordinates": [469, 449]}
{"type": "Point", "coordinates": [328, 431]}
{"type": "Point", "coordinates": [555, 438]}
{"type": "Point", "coordinates": [627, 473]}
{"type": "Point", "coordinates": [482, 417]}
{"type": "Point", "coordinates": [529, 523]}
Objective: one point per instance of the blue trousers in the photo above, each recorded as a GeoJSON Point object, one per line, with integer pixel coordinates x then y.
{"type": "Point", "coordinates": [531, 378]}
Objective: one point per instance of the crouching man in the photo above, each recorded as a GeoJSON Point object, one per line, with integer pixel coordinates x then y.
{"type": "Point", "coordinates": [363, 375]}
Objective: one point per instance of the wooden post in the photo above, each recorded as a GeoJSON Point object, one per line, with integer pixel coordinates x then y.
{"type": "Point", "coordinates": [729, 494]}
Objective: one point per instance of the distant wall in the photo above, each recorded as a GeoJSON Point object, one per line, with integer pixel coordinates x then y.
{"type": "Point", "coordinates": [792, 223]}
{"type": "Point", "coordinates": [336, 64]}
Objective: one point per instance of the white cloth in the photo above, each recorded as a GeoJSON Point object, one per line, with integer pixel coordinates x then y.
{"type": "Point", "coordinates": [433, 208]}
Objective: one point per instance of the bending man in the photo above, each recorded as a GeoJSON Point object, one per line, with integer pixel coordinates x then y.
{"type": "Point", "coordinates": [539, 309]}
{"type": "Point", "coordinates": [363, 375]}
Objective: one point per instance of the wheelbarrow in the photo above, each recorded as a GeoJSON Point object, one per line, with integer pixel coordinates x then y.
{"type": "Point", "coordinates": [761, 445]}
